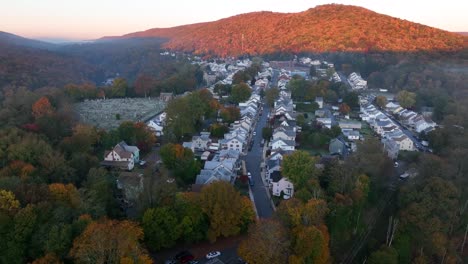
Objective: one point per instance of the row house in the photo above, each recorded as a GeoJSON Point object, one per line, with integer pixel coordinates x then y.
{"type": "Point", "coordinates": [357, 82]}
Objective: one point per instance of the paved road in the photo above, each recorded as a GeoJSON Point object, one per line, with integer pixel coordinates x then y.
{"type": "Point", "coordinates": [252, 162]}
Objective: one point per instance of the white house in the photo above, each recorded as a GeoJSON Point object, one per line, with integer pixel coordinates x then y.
{"type": "Point", "coordinates": [122, 156]}
{"type": "Point", "coordinates": [201, 142]}
{"type": "Point", "coordinates": [281, 185]}
{"type": "Point", "coordinates": [283, 144]}
{"type": "Point", "coordinates": [351, 134]}
{"type": "Point", "coordinates": [319, 101]}
{"type": "Point", "coordinates": [234, 143]}
{"type": "Point", "coordinates": [283, 133]}
{"type": "Point", "coordinates": [325, 121]}
{"type": "Point", "coordinates": [404, 143]}
{"type": "Point", "coordinates": [156, 127]}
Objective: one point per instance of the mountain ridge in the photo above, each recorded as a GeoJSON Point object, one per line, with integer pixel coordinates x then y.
{"type": "Point", "coordinates": [324, 28]}
{"type": "Point", "coordinates": [12, 39]}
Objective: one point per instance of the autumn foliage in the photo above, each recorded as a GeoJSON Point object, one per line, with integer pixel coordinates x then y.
{"type": "Point", "coordinates": [110, 241]}
{"type": "Point", "coordinates": [42, 107]}
{"type": "Point", "coordinates": [320, 29]}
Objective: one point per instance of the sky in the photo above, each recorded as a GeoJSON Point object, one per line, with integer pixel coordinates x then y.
{"type": "Point", "coordinates": [91, 19]}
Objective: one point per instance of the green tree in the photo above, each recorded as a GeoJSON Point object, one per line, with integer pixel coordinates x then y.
{"type": "Point", "coordinates": [25, 222]}
{"type": "Point", "coordinates": [406, 99]}
{"type": "Point", "coordinates": [218, 130]}
{"type": "Point", "coordinates": [381, 101]}
{"type": "Point", "coordinates": [351, 99]}
{"type": "Point", "coordinates": [59, 239]}
{"type": "Point", "coordinates": [158, 189]}
{"type": "Point", "coordinates": [222, 89]}
{"type": "Point", "coordinates": [385, 255]}
{"type": "Point", "coordinates": [240, 93]}
{"type": "Point", "coordinates": [99, 194]}
{"type": "Point", "coordinates": [161, 227]}
{"type": "Point", "coordinates": [299, 167]}
{"type": "Point", "coordinates": [271, 95]}
{"type": "Point", "coordinates": [181, 160]}
{"type": "Point", "coordinates": [8, 201]}
{"type": "Point", "coordinates": [267, 133]}
{"type": "Point", "coordinates": [119, 88]}
{"type": "Point", "coordinates": [193, 221]}
{"type": "Point", "coordinates": [229, 114]}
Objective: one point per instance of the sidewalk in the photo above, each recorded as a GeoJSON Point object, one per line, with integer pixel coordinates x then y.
{"type": "Point", "coordinates": [263, 174]}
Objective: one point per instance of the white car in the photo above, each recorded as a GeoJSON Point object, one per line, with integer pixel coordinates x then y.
{"type": "Point", "coordinates": [254, 133]}
{"type": "Point", "coordinates": [213, 254]}
{"type": "Point", "coordinates": [249, 175]}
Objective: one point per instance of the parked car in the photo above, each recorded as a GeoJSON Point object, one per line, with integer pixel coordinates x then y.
{"type": "Point", "coordinates": [249, 174]}
{"type": "Point", "coordinates": [184, 256]}
{"type": "Point", "coordinates": [251, 182]}
{"type": "Point", "coordinates": [213, 254]}
{"type": "Point", "coordinates": [395, 164]}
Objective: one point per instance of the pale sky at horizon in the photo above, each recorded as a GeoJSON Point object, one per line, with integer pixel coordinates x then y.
{"type": "Point", "coordinates": [89, 19]}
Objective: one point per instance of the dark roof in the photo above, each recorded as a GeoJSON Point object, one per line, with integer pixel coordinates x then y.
{"type": "Point", "coordinates": [276, 176]}
{"type": "Point", "coordinates": [117, 164]}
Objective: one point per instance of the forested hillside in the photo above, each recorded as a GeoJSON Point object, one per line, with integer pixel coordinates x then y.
{"type": "Point", "coordinates": [320, 29]}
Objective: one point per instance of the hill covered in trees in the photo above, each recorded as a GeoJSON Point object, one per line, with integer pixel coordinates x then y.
{"type": "Point", "coordinates": [21, 64]}
{"type": "Point", "coordinates": [35, 64]}
{"type": "Point", "coordinates": [321, 29]}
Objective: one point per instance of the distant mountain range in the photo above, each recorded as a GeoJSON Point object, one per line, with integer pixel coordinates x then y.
{"type": "Point", "coordinates": [321, 29]}
{"type": "Point", "coordinates": [462, 33]}
{"type": "Point", "coordinates": [11, 39]}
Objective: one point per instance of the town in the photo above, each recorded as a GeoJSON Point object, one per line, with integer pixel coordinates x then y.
{"type": "Point", "coordinates": [271, 125]}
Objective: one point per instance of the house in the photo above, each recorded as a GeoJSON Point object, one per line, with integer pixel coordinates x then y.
{"type": "Point", "coordinates": [188, 145]}
{"type": "Point", "coordinates": [201, 142]}
{"type": "Point", "coordinates": [284, 133]}
{"type": "Point", "coordinates": [351, 134]}
{"type": "Point", "coordinates": [218, 174]}
{"type": "Point", "coordinates": [166, 97]}
{"type": "Point", "coordinates": [427, 112]}
{"type": "Point", "coordinates": [156, 127]}
{"type": "Point", "coordinates": [213, 147]}
{"type": "Point", "coordinates": [337, 146]}
{"type": "Point", "coordinates": [282, 144]}
{"type": "Point", "coordinates": [234, 143]}
{"type": "Point", "coordinates": [282, 187]}
{"type": "Point", "coordinates": [272, 166]}
{"type": "Point", "coordinates": [319, 101]}
{"type": "Point", "coordinates": [404, 143]}
{"type": "Point", "coordinates": [357, 82]}
{"type": "Point", "coordinates": [321, 113]}
{"type": "Point", "coordinates": [422, 124]}
{"type": "Point", "coordinates": [205, 156]}
{"type": "Point", "coordinates": [349, 124]}
{"type": "Point", "coordinates": [279, 154]}
{"type": "Point", "coordinates": [324, 121]}
{"type": "Point", "coordinates": [122, 156]}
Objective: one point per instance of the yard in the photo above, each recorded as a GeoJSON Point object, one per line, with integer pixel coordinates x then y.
{"type": "Point", "coordinates": [315, 151]}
